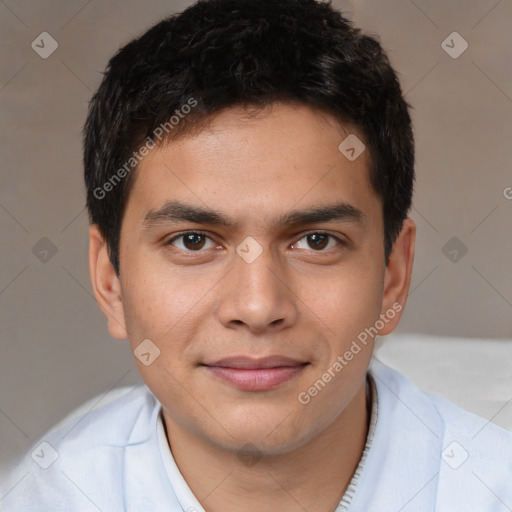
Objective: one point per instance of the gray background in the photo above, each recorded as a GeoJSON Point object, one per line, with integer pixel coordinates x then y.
{"type": "Point", "coordinates": [55, 349]}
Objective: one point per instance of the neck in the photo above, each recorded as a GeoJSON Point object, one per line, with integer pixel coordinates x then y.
{"type": "Point", "coordinates": [290, 481]}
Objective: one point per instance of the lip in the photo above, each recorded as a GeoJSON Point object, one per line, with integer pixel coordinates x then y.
{"type": "Point", "coordinates": [255, 374]}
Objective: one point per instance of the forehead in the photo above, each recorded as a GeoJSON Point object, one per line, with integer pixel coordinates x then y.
{"type": "Point", "coordinates": [269, 161]}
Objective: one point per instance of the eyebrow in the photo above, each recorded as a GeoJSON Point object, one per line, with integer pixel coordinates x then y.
{"type": "Point", "coordinates": [176, 212]}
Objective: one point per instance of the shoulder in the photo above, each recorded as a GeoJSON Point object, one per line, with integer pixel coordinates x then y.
{"type": "Point", "coordinates": [82, 457]}
{"type": "Point", "coordinates": [116, 423]}
{"type": "Point", "coordinates": [471, 455]}
{"type": "Point", "coordinates": [476, 457]}
{"type": "Point", "coordinates": [452, 417]}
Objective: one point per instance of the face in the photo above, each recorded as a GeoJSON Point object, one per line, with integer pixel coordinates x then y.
{"type": "Point", "coordinates": [252, 258]}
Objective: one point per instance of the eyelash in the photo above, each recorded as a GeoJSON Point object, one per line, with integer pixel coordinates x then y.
{"type": "Point", "coordinates": [340, 241]}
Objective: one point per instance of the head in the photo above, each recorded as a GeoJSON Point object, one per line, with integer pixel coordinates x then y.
{"type": "Point", "coordinates": [249, 171]}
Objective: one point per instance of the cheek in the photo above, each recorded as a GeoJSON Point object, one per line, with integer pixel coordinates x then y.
{"type": "Point", "coordinates": [346, 302]}
{"type": "Point", "coordinates": [165, 311]}
{"type": "Point", "coordinates": [156, 303]}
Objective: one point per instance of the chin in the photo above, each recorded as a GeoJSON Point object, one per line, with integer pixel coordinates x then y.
{"type": "Point", "coordinates": [271, 436]}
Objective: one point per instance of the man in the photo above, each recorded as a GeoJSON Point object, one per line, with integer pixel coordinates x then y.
{"type": "Point", "coordinates": [249, 169]}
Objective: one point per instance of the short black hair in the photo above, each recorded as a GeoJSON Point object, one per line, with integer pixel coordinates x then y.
{"type": "Point", "coordinates": [219, 54]}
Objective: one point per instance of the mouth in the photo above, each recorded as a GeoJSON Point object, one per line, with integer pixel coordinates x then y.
{"type": "Point", "coordinates": [256, 374]}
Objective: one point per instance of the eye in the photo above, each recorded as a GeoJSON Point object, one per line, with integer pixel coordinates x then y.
{"type": "Point", "coordinates": [192, 241]}
{"type": "Point", "coordinates": [318, 241]}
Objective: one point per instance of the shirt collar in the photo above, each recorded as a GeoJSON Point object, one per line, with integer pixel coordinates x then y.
{"type": "Point", "coordinates": [189, 502]}
{"type": "Point", "coordinates": [185, 496]}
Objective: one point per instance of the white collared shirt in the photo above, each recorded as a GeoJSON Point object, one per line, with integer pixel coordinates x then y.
{"type": "Point", "coordinates": [422, 453]}
{"type": "Point", "coordinates": [189, 502]}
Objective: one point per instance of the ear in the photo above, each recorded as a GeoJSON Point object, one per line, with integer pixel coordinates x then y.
{"type": "Point", "coordinates": [106, 284]}
{"type": "Point", "coordinates": [397, 277]}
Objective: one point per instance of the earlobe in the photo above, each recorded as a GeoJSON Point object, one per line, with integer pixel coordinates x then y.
{"type": "Point", "coordinates": [106, 284]}
{"type": "Point", "coordinates": [397, 277]}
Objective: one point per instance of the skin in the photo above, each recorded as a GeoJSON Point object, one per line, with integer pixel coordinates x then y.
{"type": "Point", "coordinates": [296, 299]}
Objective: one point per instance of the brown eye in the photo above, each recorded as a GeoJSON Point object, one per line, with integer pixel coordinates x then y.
{"type": "Point", "coordinates": [318, 241]}
{"type": "Point", "coordinates": [192, 241]}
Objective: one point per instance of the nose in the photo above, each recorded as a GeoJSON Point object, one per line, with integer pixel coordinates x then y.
{"type": "Point", "coordinates": [256, 296]}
